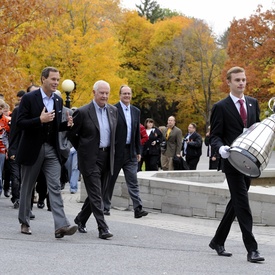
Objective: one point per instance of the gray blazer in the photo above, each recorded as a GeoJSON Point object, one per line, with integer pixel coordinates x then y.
{"type": "Point", "coordinates": [85, 136]}
{"type": "Point", "coordinates": [174, 142]}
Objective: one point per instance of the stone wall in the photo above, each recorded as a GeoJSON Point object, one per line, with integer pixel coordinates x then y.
{"type": "Point", "coordinates": [195, 193]}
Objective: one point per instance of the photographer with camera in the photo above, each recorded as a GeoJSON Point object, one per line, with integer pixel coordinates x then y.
{"type": "Point", "coordinates": [173, 138]}
{"type": "Point", "coordinates": [191, 146]}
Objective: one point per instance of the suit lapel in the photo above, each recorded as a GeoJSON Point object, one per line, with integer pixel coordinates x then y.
{"type": "Point", "coordinates": [58, 110]}
{"type": "Point", "coordinates": [233, 110]}
{"type": "Point", "coordinates": [249, 106]}
{"type": "Point", "coordinates": [39, 100]}
{"type": "Point", "coordinates": [93, 116]}
{"type": "Point", "coordinates": [110, 115]}
{"type": "Point", "coordinates": [120, 112]}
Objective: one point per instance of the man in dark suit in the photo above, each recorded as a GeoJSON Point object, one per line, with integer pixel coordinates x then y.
{"type": "Point", "coordinates": [227, 123]}
{"type": "Point", "coordinates": [93, 136]}
{"type": "Point", "coordinates": [191, 146]}
{"type": "Point", "coordinates": [39, 118]}
{"type": "Point", "coordinates": [127, 152]}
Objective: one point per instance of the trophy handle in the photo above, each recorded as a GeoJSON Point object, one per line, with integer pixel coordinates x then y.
{"type": "Point", "coordinates": [272, 108]}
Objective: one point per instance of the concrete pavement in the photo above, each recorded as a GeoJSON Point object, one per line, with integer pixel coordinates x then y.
{"type": "Point", "coordinates": [153, 245]}
{"type": "Point", "coordinates": [156, 244]}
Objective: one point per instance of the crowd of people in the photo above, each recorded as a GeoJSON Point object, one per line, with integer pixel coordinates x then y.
{"type": "Point", "coordinates": [43, 145]}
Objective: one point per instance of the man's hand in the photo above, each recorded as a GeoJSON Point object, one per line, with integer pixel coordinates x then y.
{"type": "Point", "coordinates": [138, 158]}
{"type": "Point", "coordinates": [224, 151]}
{"type": "Point", "coordinates": [69, 120]}
{"type": "Point", "coordinates": [47, 116]}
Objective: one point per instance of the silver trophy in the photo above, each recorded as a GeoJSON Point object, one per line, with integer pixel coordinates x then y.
{"type": "Point", "coordinates": [250, 152]}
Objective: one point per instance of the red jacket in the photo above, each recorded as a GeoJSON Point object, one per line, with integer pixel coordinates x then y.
{"type": "Point", "coordinates": [143, 134]}
{"type": "Point", "coordinates": [4, 130]}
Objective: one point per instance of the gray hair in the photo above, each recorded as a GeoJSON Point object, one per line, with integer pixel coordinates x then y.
{"type": "Point", "coordinates": [98, 83]}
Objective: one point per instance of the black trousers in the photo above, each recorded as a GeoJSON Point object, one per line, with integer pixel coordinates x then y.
{"type": "Point", "coordinates": [15, 179]}
{"type": "Point", "coordinates": [238, 206]}
{"type": "Point", "coordinates": [94, 183]}
{"type": "Point", "coordinates": [192, 162]}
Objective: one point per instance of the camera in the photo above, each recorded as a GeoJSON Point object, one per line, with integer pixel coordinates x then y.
{"type": "Point", "coordinates": [163, 144]}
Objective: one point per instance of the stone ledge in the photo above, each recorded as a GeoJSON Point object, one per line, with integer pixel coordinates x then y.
{"type": "Point", "coordinates": [196, 193]}
{"type": "Point", "coordinates": [200, 193]}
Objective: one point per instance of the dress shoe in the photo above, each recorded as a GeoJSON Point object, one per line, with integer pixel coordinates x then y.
{"type": "Point", "coordinates": [81, 227]}
{"type": "Point", "coordinates": [254, 257]}
{"type": "Point", "coordinates": [40, 204]}
{"type": "Point", "coordinates": [106, 212]}
{"type": "Point", "coordinates": [16, 204]}
{"type": "Point", "coordinates": [139, 212]}
{"type": "Point", "coordinates": [32, 216]}
{"type": "Point", "coordinates": [25, 229]}
{"type": "Point", "coordinates": [104, 233]}
{"type": "Point", "coordinates": [220, 249]}
{"type": "Point", "coordinates": [65, 231]}
{"type": "Point", "coordinates": [7, 193]}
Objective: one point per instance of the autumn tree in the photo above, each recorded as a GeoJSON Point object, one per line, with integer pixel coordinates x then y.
{"type": "Point", "coordinates": [19, 26]}
{"type": "Point", "coordinates": [83, 46]}
{"type": "Point", "coordinates": [251, 45]}
{"type": "Point", "coordinates": [185, 75]}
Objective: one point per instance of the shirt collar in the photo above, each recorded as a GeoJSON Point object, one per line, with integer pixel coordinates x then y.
{"type": "Point", "coordinates": [98, 107]}
{"type": "Point", "coordinates": [124, 107]}
{"type": "Point", "coordinates": [236, 99]}
{"type": "Point", "coordinates": [44, 95]}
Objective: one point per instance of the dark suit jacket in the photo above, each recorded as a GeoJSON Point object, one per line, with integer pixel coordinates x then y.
{"type": "Point", "coordinates": [227, 125]}
{"type": "Point", "coordinates": [121, 132]}
{"type": "Point", "coordinates": [194, 145]}
{"type": "Point", "coordinates": [14, 135]}
{"type": "Point", "coordinates": [85, 136]}
{"type": "Point", "coordinates": [28, 120]}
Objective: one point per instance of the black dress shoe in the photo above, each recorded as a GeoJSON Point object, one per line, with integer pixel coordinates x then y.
{"type": "Point", "coordinates": [106, 212]}
{"type": "Point", "coordinates": [220, 249]}
{"type": "Point", "coordinates": [40, 204]}
{"type": "Point", "coordinates": [104, 233]}
{"type": "Point", "coordinates": [65, 231]}
{"type": "Point", "coordinates": [25, 229]}
{"type": "Point", "coordinates": [7, 193]}
{"type": "Point", "coordinates": [254, 257]}
{"type": "Point", "coordinates": [81, 227]}
{"type": "Point", "coordinates": [139, 212]}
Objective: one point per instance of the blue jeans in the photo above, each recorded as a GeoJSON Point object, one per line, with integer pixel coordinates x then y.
{"type": "Point", "coordinates": [2, 162]}
{"type": "Point", "coordinates": [73, 172]}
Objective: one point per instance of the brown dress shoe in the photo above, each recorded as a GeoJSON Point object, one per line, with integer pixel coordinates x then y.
{"type": "Point", "coordinates": [25, 229]}
{"type": "Point", "coordinates": [66, 230]}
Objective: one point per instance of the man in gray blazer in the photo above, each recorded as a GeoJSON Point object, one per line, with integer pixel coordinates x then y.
{"type": "Point", "coordinates": [93, 136]}
{"type": "Point", "coordinates": [173, 137]}
{"type": "Point", "coordinates": [39, 119]}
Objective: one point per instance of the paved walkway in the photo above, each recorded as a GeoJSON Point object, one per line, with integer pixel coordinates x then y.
{"type": "Point", "coordinates": [154, 245]}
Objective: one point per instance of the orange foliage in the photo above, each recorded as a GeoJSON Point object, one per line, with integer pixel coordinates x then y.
{"type": "Point", "coordinates": [251, 45]}
{"type": "Point", "coordinates": [18, 28]}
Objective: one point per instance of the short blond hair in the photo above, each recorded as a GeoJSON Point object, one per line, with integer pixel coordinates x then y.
{"type": "Point", "coordinates": [234, 70]}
